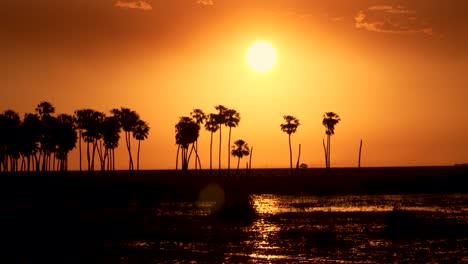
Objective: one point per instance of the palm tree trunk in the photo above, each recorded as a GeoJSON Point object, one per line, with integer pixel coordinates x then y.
{"type": "Point", "coordinates": [250, 160]}
{"type": "Point", "coordinates": [329, 152]}
{"type": "Point", "coordinates": [211, 155]}
{"type": "Point", "coordinates": [138, 156]}
{"type": "Point", "coordinates": [298, 160]}
{"type": "Point", "coordinates": [88, 156]}
{"type": "Point", "coordinates": [196, 155]}
{"type": "Point", "coordinates": [219, 156]}
{"type": "Point", "coordinates": [326, 153]}
{"type": "Point", "coordinates": [80, 148]}
{"type": "Point", "coordinates": [229, 156]}
{"type": "Point", "coordinates": [238, 163]}
{"type": "Point", "coordinates": [359, 160]}
{"type": "Point", "coordinates": [290, 153]}
{"type": "Point", "coordinates": [177, 158]}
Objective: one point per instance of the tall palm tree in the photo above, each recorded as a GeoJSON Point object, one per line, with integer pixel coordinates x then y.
{"type": "Point", "coordinates": [110, 135]}
{"type": "Point", "coordinates": [45, 111]}
{"type": "Point", "coordinates": [239, 150]}
{"type": "Point", "coordinates": [90, 122]}
{"type": "Point", "coordinates": [10, 123]}
{"type": "Point", "coordinates": [128, 120]}
{"type": "Point", "coordinates": [290, 127]}
{"type": "Point", "coordinates": [212, 126]}
{"type": "Point", "coordinates": [199, 117]}
{"type": "Point", "coordinates": [30, 132]}
{"type": "Point", "coordinates": [232, 120]}
{"type": "Point", "coordinates": [140, 132]}
{"type": "Point", "coordinates": [65, 138]}
{"type": "Point", "coordinates": [330, 119]}
{"type": "Point", "coordinates": [221, 120]}
{"type": "Point", "coordinates": [187, 131]}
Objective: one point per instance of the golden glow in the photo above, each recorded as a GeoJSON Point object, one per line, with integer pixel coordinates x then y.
{"type": "Point", "coordinates": [261, 55]}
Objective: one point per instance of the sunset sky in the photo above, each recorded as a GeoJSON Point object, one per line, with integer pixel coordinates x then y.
{"type": "Point", "coordinates": [395, 71]}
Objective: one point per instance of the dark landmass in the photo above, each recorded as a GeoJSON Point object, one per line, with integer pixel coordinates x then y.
{"type": "Point", "coordinates": [78, 217]}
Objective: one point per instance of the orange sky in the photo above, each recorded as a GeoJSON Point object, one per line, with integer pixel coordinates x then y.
{"type": "Point", "coordinates": [395, 71]}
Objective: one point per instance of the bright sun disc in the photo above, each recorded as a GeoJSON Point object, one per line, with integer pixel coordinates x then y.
{"type": "Point", "coordinates": [261, 55]}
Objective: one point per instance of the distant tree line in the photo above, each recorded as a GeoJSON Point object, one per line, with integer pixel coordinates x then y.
{"type": "Point", "coordinates": [42, 140]}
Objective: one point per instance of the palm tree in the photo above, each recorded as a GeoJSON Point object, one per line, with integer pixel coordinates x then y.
{"type": "Point", "coordinates": [187, 131]}
{"type": "Point", "coordinates": [65, 138]}
{"type": "Point", "coordinates": [290, 127]}
{"type": "Point", "coordinates": [140, 132]}
{"type": "Point", "coordinates": [45, 111]}
{"type": "Point", "coordinates": [221, 120]}
{"type": "Point", "coordinates": [232, 119]}
{"type": "Point", "coordinates": [128, 120]}
{"type": "Point", "coordinates": [239, 150]}
{"type": "Point", "coordinates": [90, 122]}
{"type": "Point", "coordinates": [330, 119]}
{"type": "Point", "coordinates": [10, 134]}
{"type": "Point", "coordinates": [30, 132]}
{"type": "Point", "coordinates": [199, 118]}
{"type": "Point", "coordinates": [110, 134]}
{"type": "Point", "coordinates": [212, 126]}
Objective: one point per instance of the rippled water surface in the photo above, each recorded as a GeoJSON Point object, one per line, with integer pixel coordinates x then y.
{"type": "Point", "coordinates": [331, 229]}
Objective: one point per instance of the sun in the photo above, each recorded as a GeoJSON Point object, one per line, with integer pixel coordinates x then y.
{"type": "Point", "coordinates": [261, 55]}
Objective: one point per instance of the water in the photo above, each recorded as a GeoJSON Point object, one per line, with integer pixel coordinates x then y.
{"type": "Point", "coordinates": [296, 229]}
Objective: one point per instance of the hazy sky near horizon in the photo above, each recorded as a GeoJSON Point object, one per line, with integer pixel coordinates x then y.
{"type": "Point", "coordinates": [395, 71]}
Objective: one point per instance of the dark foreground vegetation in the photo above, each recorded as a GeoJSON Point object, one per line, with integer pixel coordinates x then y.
{"type": "Point", "coordinates": [73, 217]}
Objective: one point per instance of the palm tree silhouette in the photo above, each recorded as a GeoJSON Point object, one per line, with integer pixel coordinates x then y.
{"type": "Point", "coordinates": [10, 128]}
{"type": "Point", "coordinates": [128, 120]}
{"type": "Point", "coordinates": [239, 150]}
{"type": "Point", "coordinates": [330, 119]}
{"type": "Point", "coordinates": [140, 132]}
{"type": "Point", "coordinates": [290, 127]}
{"type": "Point", "coordinates": [110, 135]}
{"type": "Point", "coordinates": [90, 121]}
{"type": "Point", "coordinates": [232, 119]}
{"type": "Point", "coordinates": [30, 133]}
{"type": "Point", "coordinates": [221, 120]}
{"type": "Point", "coordinates": [212, 126]}
{"type": "Point", "coordinates": [45, 111]}
{"type": "Point", "coordinates": [187, 131]}
{"type": "Point", "coordinates": [64, 137]}
{"type": "Point", "coordinates": [199, 117]}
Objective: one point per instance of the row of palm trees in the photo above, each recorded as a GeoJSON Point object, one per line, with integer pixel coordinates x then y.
{"type": "Point", "coordinates": [43, 140]}
{"type": "Point", "coordinates": [188, 129]}
{"type": "Point", "coordinates": [330, 119]}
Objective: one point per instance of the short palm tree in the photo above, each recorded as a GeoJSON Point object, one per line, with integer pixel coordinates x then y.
{"type": "Point", "coordinates": [111, 136]}
{"type": "Point", "coordinates": [330, 119]}
{"type": "Point", "coordinates": [187, 131]}
{"type": "Point", "coordinates": [212, 126]}
{"type": "Point", "coordinates": [232, 120]}
{"type": "Point", "coordinates": [290, 127]}
{"type": "Point", "coordinates": [140, 132]}
{"type": "Point", "coordinates": [239, 150]}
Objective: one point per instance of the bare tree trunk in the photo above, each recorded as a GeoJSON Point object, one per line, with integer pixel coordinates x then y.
{"type": "Point", "coordinates": [359, 160]}
{"type": "Point", "coordinates": [250, 160]}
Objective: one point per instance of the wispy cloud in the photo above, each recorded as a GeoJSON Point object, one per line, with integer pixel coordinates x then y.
{"type": "Point", "coordinates": [205, 2]}
{"type": "Point", "coordinates": [391, 19]}
{"type": "Point", "coordinates": [142, 5]}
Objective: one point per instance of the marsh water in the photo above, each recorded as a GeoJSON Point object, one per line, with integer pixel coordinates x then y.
{"type": "Point", "coordinates": [418, 228]}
